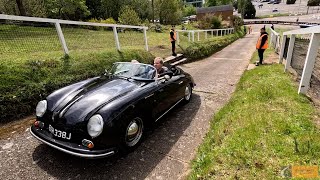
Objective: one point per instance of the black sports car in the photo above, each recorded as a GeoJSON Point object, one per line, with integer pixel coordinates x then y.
{"type": "Point", "coordinates": [99, 116]}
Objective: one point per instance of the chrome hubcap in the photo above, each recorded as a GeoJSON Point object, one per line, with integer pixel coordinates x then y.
{"type": "Point", "coordinates": [134, 132]}
{"type": "Point", "coordinates": [187, 93]}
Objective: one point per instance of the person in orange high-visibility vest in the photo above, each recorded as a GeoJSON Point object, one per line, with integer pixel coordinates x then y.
{"type": "Point", "coordinates": [262, 45]}
{"type": "Point", "coordinates": [173, 39]}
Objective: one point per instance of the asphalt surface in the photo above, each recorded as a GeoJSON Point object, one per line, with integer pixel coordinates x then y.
{"type": "Point", "coordinates": [165, 153]}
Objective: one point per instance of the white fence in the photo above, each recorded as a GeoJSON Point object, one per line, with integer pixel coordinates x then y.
{"type": "Point", "coordinates": [311, 55]}
{"type": "Point", "coordinates": [275, 40]}
{"type": "Point", "coordinates": [202, 34]}
{"type": "Point", "coordinates": [60, 32]}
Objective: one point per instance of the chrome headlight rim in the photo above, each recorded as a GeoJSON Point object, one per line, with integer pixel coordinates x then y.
{"type": "Point", "coordinates": [41, 108]}
{"type": "Point", "coordinates": [95, 125]}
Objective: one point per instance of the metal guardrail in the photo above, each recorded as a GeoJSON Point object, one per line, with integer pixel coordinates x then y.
{"type": "Point", "coordinates": [279, 22]}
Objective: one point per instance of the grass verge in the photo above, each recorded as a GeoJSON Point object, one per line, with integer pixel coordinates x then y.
{"type": "Point", "coordinates": [264, 127]}
{"type": "Point", "coordinates": [24, 84]}
{"type": "Point", "coordinates": [273, 15]}
{"type": "Point", "coordinates": [198, 50]}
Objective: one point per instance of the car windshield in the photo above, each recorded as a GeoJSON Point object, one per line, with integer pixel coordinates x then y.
{"type": "Point", "coordinates": [137, 71]}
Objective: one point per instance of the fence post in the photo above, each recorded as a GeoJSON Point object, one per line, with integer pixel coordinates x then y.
{"type": "Point", "coordinates": [192, 36]}
{"type": "Point", "coordinates": [189, 36]}
{"type": "Point", "coordinates": [212, 33]}
{"type": "Point", "coordinates": [116, 38]}
{"type": "Point", "coordinates": [309, 63]}
{"type": "Point", "coordinates": [146, 39]}
{"type": "Point", "coordinates": [283, 44]}
{"type": "Point", "coordinates": [61, 38]}
{"type": "Point", "coordinates": [290, 52]}
{"type": "Point", "coordinates": [206, 35]}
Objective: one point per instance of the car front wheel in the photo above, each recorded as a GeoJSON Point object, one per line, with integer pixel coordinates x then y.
{"type": "Point", "coordinates": [187, 93]}
{"type": "Point", "coordinates": [132, 133]}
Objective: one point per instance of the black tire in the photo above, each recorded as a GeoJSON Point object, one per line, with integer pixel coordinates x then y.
{"type": "Point", "coordinates": [187, 94]}
{"type": "Point", "coordinates": [132, 131]}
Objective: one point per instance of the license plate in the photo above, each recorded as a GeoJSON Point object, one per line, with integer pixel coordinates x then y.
{"type": "Point", "coordinates": [58, 133]}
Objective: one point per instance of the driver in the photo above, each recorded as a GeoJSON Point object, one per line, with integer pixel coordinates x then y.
{"type": "Point", "coordinates": [158, 64]}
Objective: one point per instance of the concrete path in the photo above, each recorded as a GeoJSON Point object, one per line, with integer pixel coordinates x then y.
{"type": "Point", "coordinates": [165, 153]}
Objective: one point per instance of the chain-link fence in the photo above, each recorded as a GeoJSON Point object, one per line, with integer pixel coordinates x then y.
{"type": "Point", "coordinates": [35, 37]}
{"type": "Point", "coordinates": [299, 55]}
{"type": "Point", "coordinates": [300, 51]}
{"type": "Point", "coordinates": [22, 38]}
{"type": "Point", "coordinates": [315, 78]}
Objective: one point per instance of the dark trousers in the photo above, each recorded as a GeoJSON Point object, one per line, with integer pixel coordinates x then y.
{"type": "Point", "coordinates": [260, 52]}
{"type": "Point", "coordinates": [173, 43]}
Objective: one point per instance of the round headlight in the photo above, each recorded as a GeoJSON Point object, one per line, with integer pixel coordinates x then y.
{"type": "Point", "coordinates": [41, 108]}
{"type": "Point", "coordinates": [95, 125]}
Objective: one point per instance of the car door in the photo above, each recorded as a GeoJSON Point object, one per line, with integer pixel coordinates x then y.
{"type": "Point", "coordinates": [163, 98]}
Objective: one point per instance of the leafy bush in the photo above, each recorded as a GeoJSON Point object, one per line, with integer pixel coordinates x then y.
{"type": "Point", "coordinates": [207, 48]}
{"type": "Point", "coordinates": [128, 16]}
{"type": "Point", "coordinates": [210, 22]}
{"type": "Point", "coordinates": [189, 10]}
{"type": "Point", "coordinates": [27, 83]}
{"type": "Point", "coordinates": [236, 22]}
{"type": "Point", "coordinates": [216, 22]}
{"type": "Point", "coordinates": [291, 1]}
{"type": "Point", "coordinates": [105, 21]}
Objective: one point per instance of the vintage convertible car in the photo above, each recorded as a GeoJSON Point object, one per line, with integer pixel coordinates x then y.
{"type": "Point", "coordinates": [100, 116]}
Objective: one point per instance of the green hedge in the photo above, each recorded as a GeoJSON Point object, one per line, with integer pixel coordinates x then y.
{"type": "Point", "coordinates": [204, 49]}
{"type": "Point", "coordinates": [24, 84]}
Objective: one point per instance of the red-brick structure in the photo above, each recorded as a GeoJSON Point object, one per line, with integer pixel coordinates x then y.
{"type": "Point", "coordinates": [226, 12]}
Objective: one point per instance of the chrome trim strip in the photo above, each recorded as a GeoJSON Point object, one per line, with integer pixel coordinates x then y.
{"type": "Point", "coordinates": [68, 106]}
{"type": "Point", "coordinates": [149, 96]}
{"type": "Point", "coordinates": [169, 109]}
{"type": "Point", "coordinates": [70, 152]}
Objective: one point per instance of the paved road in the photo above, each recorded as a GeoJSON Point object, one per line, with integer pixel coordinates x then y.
{"type": "Point", "coordinates": [165, 152]}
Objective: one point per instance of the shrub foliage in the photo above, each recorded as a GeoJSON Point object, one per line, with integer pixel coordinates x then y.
{"type": "Point", "coordinates": [25, 84]}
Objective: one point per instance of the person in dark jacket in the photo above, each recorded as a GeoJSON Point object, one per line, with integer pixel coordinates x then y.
{"type": "Point", "coordinates": [173, 41]}
{"type": "Point", "coordinates": [262, 44]}
{"type": "Point", "coordinates": [272, 27]}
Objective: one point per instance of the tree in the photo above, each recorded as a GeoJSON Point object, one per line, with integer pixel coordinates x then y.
{"type": "Point", "coordinates": [22, 10]}
{"type": "Point", "coordinates": [95, 8]}
{"type": "Point", "coordinates": [189, 10]}
{"type": "Point", "coordinates": [313, 3]}
{"type": "Point", "coordinates": [128, 16]}
{"type": "Point", "coordinates": [170, 11]}
{"type": "Point", "coordinates": [291, 1]}
{"type": "Point", "coordinates": [67, 9]}
{"type": "Point", "coordinates": [8, 7]}
{"type": "Point", "coordinates": [217, 2]}
{"type": "Point", "coordinates": [142, 7]}
{"type": "Point", "coordinates": [247, 9]}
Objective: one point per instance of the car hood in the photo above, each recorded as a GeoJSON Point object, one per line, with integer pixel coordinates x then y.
{"type": "Point", "coordinates": [88, 97]}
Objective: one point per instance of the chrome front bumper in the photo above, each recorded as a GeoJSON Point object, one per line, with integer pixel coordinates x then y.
{"type": "Point", "coordinates": [79, 154]}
